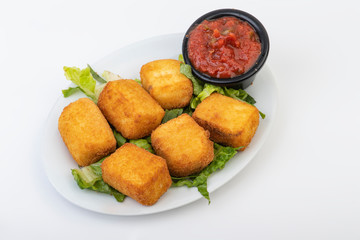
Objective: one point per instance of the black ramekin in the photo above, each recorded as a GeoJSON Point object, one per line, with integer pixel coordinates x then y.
{"type": "Point", "coordinates": [241, 81]}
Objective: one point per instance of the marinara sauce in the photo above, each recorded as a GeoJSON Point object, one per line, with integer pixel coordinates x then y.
{"type": "Point", "coordinates": [224, 47]}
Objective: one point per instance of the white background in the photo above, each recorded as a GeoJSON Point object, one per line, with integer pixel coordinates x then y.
{"type": "Point", "coordinates": [303, 184]}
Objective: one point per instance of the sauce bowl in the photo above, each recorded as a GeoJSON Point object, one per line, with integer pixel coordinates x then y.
{"type": "Point", "coordinates": [243, 80]}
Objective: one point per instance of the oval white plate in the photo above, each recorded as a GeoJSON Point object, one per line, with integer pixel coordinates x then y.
{"type": "Point", "coordinates": [127, 62]}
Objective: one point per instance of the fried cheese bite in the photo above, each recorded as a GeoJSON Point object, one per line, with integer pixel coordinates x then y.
{"type": "Point", "coordinates": [129, 108]}
{"type": "Point", "coordinates": [230, 122]}
{"type": "Point", "coordinates": [163, 80]}
{"type": "Point", "coordinates": [184, 145]}
{"type": "Point", "coordinates": [85, 132]}
{"type": "Point", "coordinates": [137, 173]}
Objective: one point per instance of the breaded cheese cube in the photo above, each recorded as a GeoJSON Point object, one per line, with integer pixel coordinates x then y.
{"type": "Point", "coordinates": [130, 109]}
{"type": "Point", "coordinates": [230, 122]}
{"type": "Point", "coordinates": [163, 80]}
{"type": "Point", "coordinates": [184, 145]}
{"type": "Point", "coordinates": [85, 132]}
{"type": "Point", "coordinates": [137, 173]}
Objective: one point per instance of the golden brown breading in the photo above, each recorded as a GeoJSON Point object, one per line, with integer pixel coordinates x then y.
{"type": "Point", "coordinates": [137, 173]}
{"type": "Point", "coordinates": [163, 80]}
{"type": "Point", "coordinates": [184, 145]}
{"type": "Point", "coordinates": [231, 122]}
{"type": "Point", "coordinates": [129, 108]}
{"type": "Point", "coordinates": [85, 132]}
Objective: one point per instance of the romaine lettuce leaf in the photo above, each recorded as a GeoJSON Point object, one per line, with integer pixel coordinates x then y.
{"type": "Point", "coordinates": [143, 143]}
{"type": "Point", "coordinates": [197, 84]}
{"type": "Point", "coordinates": [239, 94]}
{"type": "Point", "coordinates": [170, 114]}
{"type": "Point", "coordinates": [96, 76]}
{"type": "Point", "coordinates": [207, 91]}
{"type": "Point", "coordinates": [120, 140]}
{"type": "Point", "coordinates": [181, 58]}
{"type": "Point", "coordinates": [83, 79]}
{"type": "Point", "coordinates": [138, 81]}
{"type": "Point", "coordinates": [70, 91]}
{"type": "Point", "coordinates": [222, 155]}
{"type": "Point", "coordinates": [90, 177]}
{"type": "Point", "coordinates": [109, 76]}
{"type": "Point", "coordinates": [98, 89]}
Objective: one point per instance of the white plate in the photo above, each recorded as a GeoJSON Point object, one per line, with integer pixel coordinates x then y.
{"type": "Point", "coordinates": [127, 62]}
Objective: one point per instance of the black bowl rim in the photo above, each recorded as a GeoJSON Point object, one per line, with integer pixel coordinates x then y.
{"type": "Point", "coordinates": [244, 16]}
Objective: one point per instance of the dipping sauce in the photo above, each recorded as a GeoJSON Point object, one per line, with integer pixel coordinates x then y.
{"type": "Point", "coordinates": [224, 47]}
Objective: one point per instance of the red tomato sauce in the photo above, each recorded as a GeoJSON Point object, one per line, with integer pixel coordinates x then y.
{"type": "Point", "coordinates": [224, 47]}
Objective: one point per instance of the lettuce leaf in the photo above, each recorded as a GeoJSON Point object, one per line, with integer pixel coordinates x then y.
{"type": "Point", "coordinates": [170, 114]}
{"type": "Point", "coordinates": [138, 81]}
{"type": "Point", "coordinates": [207, 91]}
{"type": "Point", "coordinates": [98, 90]}
{"type": "Point", "coordinates": [90, 177]}
{"type": "Point", "coordinates": [109, 76]}
{"type": "Point", "coordinates": [70, 91]}
{"type": "Point", "coordinates": [96, 76]}
{"type": "Point", "coordinates": [239, 94]}
{"type": "Point", "coordinates": [83, 79]}
{"type": "Point", "coordinates": [222, 155]}
{"type": "Point", "coordinates": [120, 140]}
{"type": "Point", "coordinates": [143, 143]}
{"type": "Point", "coordinates": [197, 84]}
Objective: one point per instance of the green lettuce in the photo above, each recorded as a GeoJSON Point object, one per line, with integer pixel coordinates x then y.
{"type": "Point", "coordinates": [120, 140]}
{"type": "Point", "coordinates": [83, 79]}
{"type": "Point", "coordinates": [197, 84]}
{"type": "Point", "coordinates": [239, 94]}
{"type": "Point", "coordinates": [109, 76]}
{"type": "Point", "coordinates": [90, 177]}
{"type": "Point", "coordinates": [170, 114]}
{"type": "Point", "coordinates": [96, 76]}
{"type": "Point", "coordinates": [70, 91]}
{"type": "Point", "coordinates": [207, 91]}
{"type": "Point", "coordinates": [143, 143]}
{"type": "Point", "coordinates": [222, 155]}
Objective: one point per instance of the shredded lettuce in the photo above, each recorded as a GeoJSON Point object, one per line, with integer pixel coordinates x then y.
{"type": "Point", "coordinates": [90, 177]}
{"type": "Point", "coordinates": [239, 94]}
{"type": "Point", "coordinates": [222, 155]}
